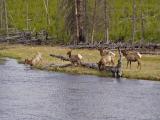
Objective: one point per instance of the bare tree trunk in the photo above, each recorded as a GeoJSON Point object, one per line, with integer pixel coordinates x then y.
{"type": "Point", "coordinates": [77, 23]}
{"type": "Point", "coordinates": [106, 24]}
{"type": "Point", "coordinates": [6, 17]}
{"type": "Point", "coordinates": [1, 10]}
{"type": "Point", "coordinates": [142, 23]}
{"type": "Point", "coordinates": [85, 21]}
{"type": "Point", "coordinates": [93, 27]}
{"type": "Point", "coordinates": [27, 18]}
{"type": "Point", "coordinates": [47, 13]}
{"type": "Point", "coordinates": [133, 21]}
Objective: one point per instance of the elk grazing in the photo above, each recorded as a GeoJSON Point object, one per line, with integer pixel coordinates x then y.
{"type": "Point", "coordinates": [75, 59]}
{"type": "Point", "coordinates": [132, 56]}
{"type": "Point", "coordinates": [35, 60]}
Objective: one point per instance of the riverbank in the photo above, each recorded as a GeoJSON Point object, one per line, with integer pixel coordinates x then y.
{"type": "Point", "coordinates": [150, 63]}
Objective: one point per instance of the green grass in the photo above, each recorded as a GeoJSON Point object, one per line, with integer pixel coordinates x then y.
{"type": "Point", "coordinates": [150, 63]}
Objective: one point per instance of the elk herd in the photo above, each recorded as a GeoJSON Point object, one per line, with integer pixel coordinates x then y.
{"type": "Point", "coordinates": [107, 58]}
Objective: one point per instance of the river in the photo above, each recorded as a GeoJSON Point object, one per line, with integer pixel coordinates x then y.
{"type": "Point", "coordinates": [27, 94]}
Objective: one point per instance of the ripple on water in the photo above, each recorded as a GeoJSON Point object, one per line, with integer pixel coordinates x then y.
{"type": "Point", "coordinates": [27, 94]}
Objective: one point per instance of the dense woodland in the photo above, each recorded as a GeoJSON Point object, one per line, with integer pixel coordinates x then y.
{"type": "Point", "coordinates": [75, 21]}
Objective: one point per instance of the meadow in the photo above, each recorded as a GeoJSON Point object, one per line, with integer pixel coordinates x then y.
{"type": "Point", "coordinates": [150, 63]}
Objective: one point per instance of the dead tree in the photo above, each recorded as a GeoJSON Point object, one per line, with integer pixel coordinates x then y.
{"type": "Point", "coordinates": [4, 16]}
{"type": "Point", "coordinates": [106, 20]}
{"type": "Point", "coordinates": [133, 20]}
{"type": "Point", "coordinates": [77, 22]}
{"type": "Point", "coordinates": [142, 22]}
{"type": "Point", "coordinates": [74, 13]}
{"type": "Point", "coordinates": [85, 21]}
{"type": "Point", "coordinates": [93, 22]}
{"type": "Point", "coordinates": [79, 18]}
{"type": "Point", "coordinates": [1, 10]}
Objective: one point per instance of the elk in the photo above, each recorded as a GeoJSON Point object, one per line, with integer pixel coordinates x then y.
{"type": "Point", "coordinates": [104, 52]}
{"type": "Point", "coordinates": [35, 60]}
{"type": "Point", "coordinates": [28, 61]}
{"type": "Point", "coordinates": [107, 59]}
{"type": "Point", "coordinates": [74, 59]}
{"type": "Point", "coordinates": [132, 56]}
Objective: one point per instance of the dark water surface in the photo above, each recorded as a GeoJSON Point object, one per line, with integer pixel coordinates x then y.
{"type": "Point", "coordinates": [27, 94]}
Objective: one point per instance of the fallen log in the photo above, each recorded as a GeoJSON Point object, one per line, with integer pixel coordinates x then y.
{"type": "Point", "coordinates": [115, 70]}
{"type": "Point", "coordinates": [60, 57]}
{"type": "Point", "coordinates": [57, 65]}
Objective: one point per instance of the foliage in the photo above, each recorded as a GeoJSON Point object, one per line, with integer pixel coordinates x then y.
{"type": "Point", "coordinates": [120, 18]}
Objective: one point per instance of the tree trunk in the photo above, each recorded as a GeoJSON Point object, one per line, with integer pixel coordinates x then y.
{"type": "Point", "coordinates": [47, 13]}
{"type": "Point", "coordinates": [133, 21]}
{"type": "Point", "coordinates": [85, 21]}
{"type": "Point", "coordinates": [94, 16]}
{"type": "Point", "coordinates": [142, 23]}
{"type": "Point", "coordinates": [77, 23]}
{"type": "Point", "coordinates": [106, 20]}
{"type": "Point", "coordinates": [1, 10]}
{"type": "Point", "coordinates": [6, 17]}
{"type": "Point", "coordinates": [27, 18]}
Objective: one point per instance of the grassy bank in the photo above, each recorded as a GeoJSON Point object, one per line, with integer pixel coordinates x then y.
{"type": "Point", "coordinates": [150, 63]}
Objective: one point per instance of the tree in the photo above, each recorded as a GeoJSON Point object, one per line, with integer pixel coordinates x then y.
{"type": "Point", "coordinates": [93, 22]}
{"type": "Point", "coordinates": [1, 14]}
{"type": "Point", "coordinates": [133, 20]}
{"type": "Point", "coordinates": [106, 21]}
{"type": "Point", "coordinates": [27, 17]}
{"type": "Point", "coordinates": [74, 19]}
{"type": "Point", "coordinates": [142, 22]}
{"type": "Point", "coordinates": [4, 16]}
{"type": "Point", "coordinates": [45, 2]}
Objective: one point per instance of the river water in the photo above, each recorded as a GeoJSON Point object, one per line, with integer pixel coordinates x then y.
{"type": "Point", "coordinates": [27, 94]}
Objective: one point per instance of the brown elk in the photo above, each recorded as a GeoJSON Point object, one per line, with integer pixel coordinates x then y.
{"type": "Point", "coordinates": [28, 61]}
{"type": "Point", "coordinates": [75, 59]}
{"type": "Point", "coordinates": [132, 56]}
{"type": "Point", "coordinates": [104, 52]}
{"type": "Point", "coordinates": [105, 60]}
{"type": "Point", "coordinates": [35, 60]}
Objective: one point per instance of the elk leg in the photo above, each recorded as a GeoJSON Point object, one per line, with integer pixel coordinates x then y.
{"type": "Point", "coordinates": [139, 64]}
{"type": "Point", "coordinates": [127, 64]}
{"type": "Point", "coordinates": [130, 64]}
